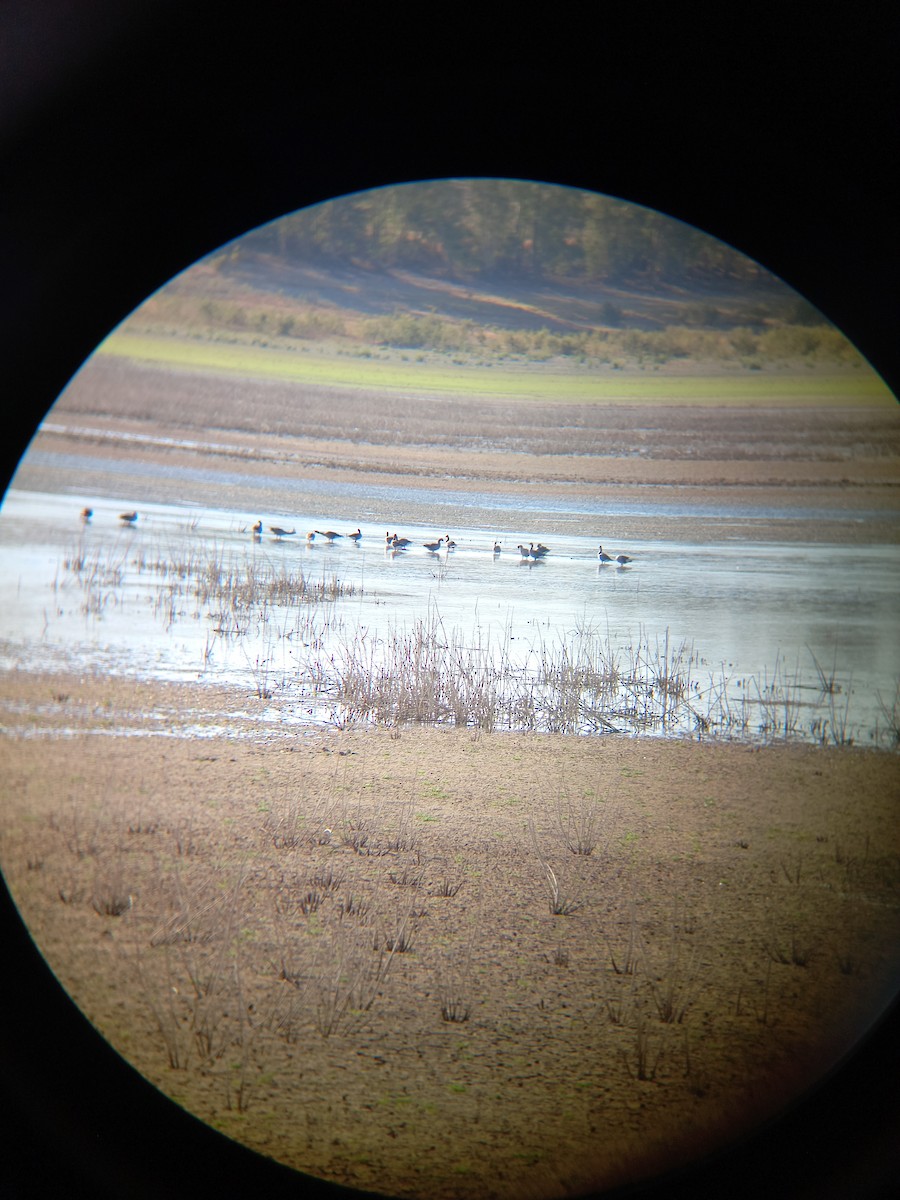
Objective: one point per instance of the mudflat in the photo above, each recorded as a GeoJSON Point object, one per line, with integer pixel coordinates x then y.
{"type": "Point", "coordinates": [340, 947]}
{"type": "Point", "coordinates": [832, 471]}
{"type": "Point", "coordinates": [436, 962]}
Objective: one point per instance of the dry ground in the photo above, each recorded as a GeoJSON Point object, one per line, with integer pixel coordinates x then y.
{"type": "Point", "coordinates": [734, 930]}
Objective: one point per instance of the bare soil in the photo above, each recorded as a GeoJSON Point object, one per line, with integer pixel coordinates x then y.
{"type": "Point", "coordinates": [733, 931]}
{"type": "Point", "coordinates": [841, 463]}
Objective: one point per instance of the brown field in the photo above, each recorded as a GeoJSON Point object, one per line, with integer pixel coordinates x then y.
{"type": "Point", "coordinates": [839, 460]}
{"type": "Point", "coordinates": [338, 947]}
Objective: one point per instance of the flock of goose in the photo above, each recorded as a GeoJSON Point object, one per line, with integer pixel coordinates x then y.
{"type": "Point", "coordinates": [393, 541]}
{"type": "Point", "coordinates": [329, 535]}
{"type": "Point", "coordinates": [125, 518]}
{"type": "Point", "coordinates": [622, 559]}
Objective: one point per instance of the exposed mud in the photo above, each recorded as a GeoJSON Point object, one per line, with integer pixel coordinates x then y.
{"type": "Point", "coordinates": [733, 931]}
{"type": "Point", "coordinates": [840, 464]}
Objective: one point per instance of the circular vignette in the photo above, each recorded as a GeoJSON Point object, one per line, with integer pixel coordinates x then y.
{"type": "Point", "coordinates": [50, 1116]}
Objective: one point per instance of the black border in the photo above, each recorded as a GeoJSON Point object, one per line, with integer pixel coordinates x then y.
{"type": "Point", "coordinates": [137, 146]}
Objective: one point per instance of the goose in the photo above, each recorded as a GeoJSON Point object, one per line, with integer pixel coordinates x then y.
{"type": "Point", "coordinates": [622, 559]}
{"type": "Point", "coordinates": [356, 538]}
{"type": "Point", "coordinates": [310, 537]}
{"type": "Point", "coordinates": [603, 556]}
{"type": "Point", "coordinates": [539, 550]}
{"type": "Point", "coordinates": [257, 528]}
{"type": "Point", "coordinates": [399, 543]}
{"type": "Point", "coordinates": [328, 534]}
{"type": "Point", "coordinates": [496, 547]}
{"type": "Point", "coordinates": [128, 518]}
{"type": "Point", "coordinates": [525, 551]}
{"type": "Point", "coordinates": [433, 547]}
{"type": "Point", "coordinates": [86, 514]}
{"type": "Point", "coordinates": [451, 545]}
{"type": "Point", "coordinates": [280, 533]}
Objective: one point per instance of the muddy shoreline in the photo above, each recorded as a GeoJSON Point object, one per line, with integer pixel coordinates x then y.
{"type": "Point", "coordinates": [140, 433]}
{"type": "Point", "coordinates": [827, 503]}
{"type": "Point", "coordinates": [782, 899]}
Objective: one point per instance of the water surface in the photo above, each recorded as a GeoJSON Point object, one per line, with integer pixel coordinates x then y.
{"type": "Point", "coordinates": [740, 620]}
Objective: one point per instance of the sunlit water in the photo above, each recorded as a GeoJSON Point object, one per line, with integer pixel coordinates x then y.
{"type": "Point", "coordinates": [751, 628]}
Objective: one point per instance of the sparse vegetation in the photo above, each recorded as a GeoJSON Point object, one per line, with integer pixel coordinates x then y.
{"type": "Point", "coordinates": [561, 904]}
{"type": "Point", "coordinates": [261, 954]}
{"type": "Point", "coordinates": [578, 824]}
{"type": "Point", "coordinates": [449, 887]}
{"type": "Point", "coordinates": [454, 1008]}
{"type": "Point", "coordinates": [430, 673]}
{"type": "Point", "coordinates": [111, 901]}
{"type": "Point", "coordinates": [454, 985]}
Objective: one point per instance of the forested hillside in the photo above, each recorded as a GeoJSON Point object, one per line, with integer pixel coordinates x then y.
{"type": "Point", "coordinates": [493, 270]}
{"type": "Point", "coordinates": [471, 229]}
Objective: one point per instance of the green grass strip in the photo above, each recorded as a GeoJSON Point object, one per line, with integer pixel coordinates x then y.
{"type": "Point", "coordinates": [504, 381]}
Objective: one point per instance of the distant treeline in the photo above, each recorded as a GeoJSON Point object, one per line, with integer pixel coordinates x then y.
{"type": "Point", "coordinates": [778, 342]}
{"type": "Point", "coordinates": [630, 286]}
{"type": "Point", "coordinates": [494, 228]}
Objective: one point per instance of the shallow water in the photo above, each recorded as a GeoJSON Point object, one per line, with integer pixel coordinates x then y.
{"type": "Point", "coordinates": [738, 621]}
{"type": "Point", "coordinates": [391, 496]}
